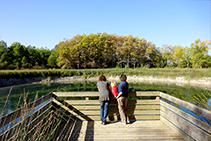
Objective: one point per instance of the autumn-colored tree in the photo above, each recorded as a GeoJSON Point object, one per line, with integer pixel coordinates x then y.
{"type": "Point", "coordinates": [198, 50]}
{"type": "Point", "coordinates": [168, 51]}
{"type": "Point", "coordinates": [178, 55]}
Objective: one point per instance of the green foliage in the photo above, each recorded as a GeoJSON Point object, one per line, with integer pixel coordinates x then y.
{"type": "Point", "coordinates": [52, 59]}
{"type": "Point", "coordinates": [17, 56]}
{"type": "Point", "coordinates": [104, 50]}
{"type": "Point", "coordinates": [161, 72]}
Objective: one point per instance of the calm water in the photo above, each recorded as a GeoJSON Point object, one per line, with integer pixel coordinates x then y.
{"type": "Point", "coordinates": [196, 95]}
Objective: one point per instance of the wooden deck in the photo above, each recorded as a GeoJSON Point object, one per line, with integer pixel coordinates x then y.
{"type": "Point", "coordinates": [138, 130]}
{"type": "Point", "coordinates": [154, 116]}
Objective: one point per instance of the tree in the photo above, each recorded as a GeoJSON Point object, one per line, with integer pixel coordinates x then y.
{"type": "Point", "coordinates": [198, 50]}
{"type": "Point", "coordinates": [153, 55]}
{"type": "Point", "coordinates": [187, 56]}
{"type": "Point", "coordinates": [179, 54]}
{"type": "Point", "coordinates": [52, 59]}
{"type": "Point", "coordinates": [3, 54]}
{"type": "Point", "coordinates": [44, 55]}
{"type": "Point", "coordinates": [17, 51]}
{"type": "Point", "coordinates": [33, 56]}
{"type": "Point", "coordinates": [24, 62]}
{"type": "Point", "coordinates": [167, 52]}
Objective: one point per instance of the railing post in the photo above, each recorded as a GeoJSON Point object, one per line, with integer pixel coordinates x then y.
{"type": "Point", "coordinates": [87, 97]}
{"type": "Point", "coordinates": [158, 97]}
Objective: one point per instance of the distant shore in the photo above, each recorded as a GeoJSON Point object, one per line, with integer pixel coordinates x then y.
{"type": "Point", "coordinates": [206, 81]}
{"type": "Point", "coordinates": [178, 76]}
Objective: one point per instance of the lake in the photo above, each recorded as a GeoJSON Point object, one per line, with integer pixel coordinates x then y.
{"type": "Point", "coordinates": [200, 96]}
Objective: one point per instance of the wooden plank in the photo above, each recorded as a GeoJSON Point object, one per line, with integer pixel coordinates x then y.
{"type": "Point", "coordinates": [42, 125]}
{"type": "Point", "coordinates": [146, 93]}
{"type": "Point", "coordinates": [187, 105]}
{"type": "Point", "coordinates": [142, 125]}
{"type": "Point", "coordinates": [97, 113]}
{"type": "Point", "coordinates": [76, 102]}
{"type": "Point", "coordinates": [96, 94]}
{"type": "Point", "coordinates": [187, 116]}
{"type": "Point", "coordinates": [138, 130]}
{"type": "Point", "coordinates": [76, 111]}
{"type": "Point", "coordinates": [17, 113]}
{"type": "Point", "coordinates": [175, 129]}
{"type": "Point", "coordinates": [65, 108]}
{"type": "Point", "coordinates": [137, 107]}
{"type": "Point", "coordinates": [143, 112]}
{"type": "Point", "coordinates": [76, 94]}
{"type": "Point", "coordinates": [22, 128]}
{"type": "Point", "coordinates": [28, 121]}
{"type": "Point", "coordinates": [96, 118]}
{"type": "Point", "coordinates": [187, 127]}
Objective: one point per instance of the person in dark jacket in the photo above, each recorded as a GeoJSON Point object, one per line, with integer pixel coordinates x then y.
{"type": "Point", "coordinates": [122, 99]}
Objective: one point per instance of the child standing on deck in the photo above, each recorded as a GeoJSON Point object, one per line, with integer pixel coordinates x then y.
{"type": "Point", "coordinates": [114, 89]}
{"type": "Point", "coordinates": [113, 93]}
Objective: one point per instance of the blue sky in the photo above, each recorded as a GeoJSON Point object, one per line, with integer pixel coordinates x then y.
{"type": "Point", "coordinates": [43, 23]}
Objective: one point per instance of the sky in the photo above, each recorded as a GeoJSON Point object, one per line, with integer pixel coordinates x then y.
{"type": "Point", "coordinates": [44, 23]}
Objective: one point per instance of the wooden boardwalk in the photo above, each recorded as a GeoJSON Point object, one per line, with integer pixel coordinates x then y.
{"type": "Point", "coordinates": [60, 116]}
{"type": "Point", "coordinates": [138, 130]}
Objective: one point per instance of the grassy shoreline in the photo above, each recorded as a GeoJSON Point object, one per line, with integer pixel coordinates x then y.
{"type": "Point", "coordinates": [188, 74]}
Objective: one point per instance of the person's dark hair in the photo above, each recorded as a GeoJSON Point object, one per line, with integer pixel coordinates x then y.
{"type": "Point", "coordinates": [123, 77]}
{"type": "Point", "coordinates": [102, 78]}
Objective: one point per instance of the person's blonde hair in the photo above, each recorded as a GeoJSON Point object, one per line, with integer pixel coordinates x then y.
{"type": "Point", "coordinates": [113, 83]}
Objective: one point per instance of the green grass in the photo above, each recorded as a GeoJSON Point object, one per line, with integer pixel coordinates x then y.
{"type": "Point", "coordinates": [155, 72]}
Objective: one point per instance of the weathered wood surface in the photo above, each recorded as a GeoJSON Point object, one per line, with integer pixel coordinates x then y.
{"type": "Point", "coordinates": [96, 94]}
{"type": "Point", "coordinates": [143, 112]}
{"type": "Point", "coordinates": [17, 113]}
{"type": "Point", "coordinates": [145, 109]}
{"type": "Point", "coordinates": [78, 102]}
{"type": "Point", "coordinates": [199, 123]}
{"type": "Point", "coordinates": [29, 122]}
{"type": "Point", "coordinates": [139, 130]}
{"type": "Point", "coordinates": [87, 107]}
{"type": "Point", "coordinates": [187, 105]}
{"type": "Point", "coordinates": [186, 126]}
{"type": "Point", "coordinates": [89, 127]}
{"type": "Point", "coordinates": [175, 129]}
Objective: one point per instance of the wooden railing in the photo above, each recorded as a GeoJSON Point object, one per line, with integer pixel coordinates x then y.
{"type": "Point", "coordinates": [141, 106]}
{"type": "Point", "coordinates": [148, 109]}
{"type": "Point", "coordinates": [161, 107]}
{"type": "Point", "coordinates": [186, 125]}
{"type": "Point", "coordinates": [15, 123]}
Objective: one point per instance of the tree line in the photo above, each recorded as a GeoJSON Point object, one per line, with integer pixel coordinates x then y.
{"type": "Point", "coordinates": [18, 56]}
{"type": "Point", "coordinates": [104, 50]}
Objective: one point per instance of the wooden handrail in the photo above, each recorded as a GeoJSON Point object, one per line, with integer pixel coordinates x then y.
{"type": "Point", "coordinates": [187, 105]}
{"type": "Point", "coordinates": [96, 94]}
{"type": "Point", "coordinates": [17, 113]}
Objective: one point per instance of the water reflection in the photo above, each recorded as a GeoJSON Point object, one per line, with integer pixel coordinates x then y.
{"type": "Point", "coordinates": [209, 102]}
{"type": "Point", "coordinates": [196, 95]}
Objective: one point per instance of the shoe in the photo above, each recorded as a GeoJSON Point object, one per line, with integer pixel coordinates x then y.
{"type": "Point", "coordinates": [122, 123]}
{"type": "Point", "coordinates": [101, 122]}
{"type": "Point", "coordinates": [128, 122]}
{"type": "Point", "coordinates": [104, 123]}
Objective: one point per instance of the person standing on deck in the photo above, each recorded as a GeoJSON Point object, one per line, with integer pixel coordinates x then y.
{"type": "Point", "coordinates": [104, 99]}
{"type": "Point", "coordinates": [122, 99]}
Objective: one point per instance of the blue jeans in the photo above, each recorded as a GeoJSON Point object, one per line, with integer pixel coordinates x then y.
{"type": "Point", "coordinates": [104, 110]}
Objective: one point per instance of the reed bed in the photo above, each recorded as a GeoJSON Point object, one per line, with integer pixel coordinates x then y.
{"type": "Point", "coordinates": [156, 72]}
{"type": "Point", "coordinates": [47, 123]}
